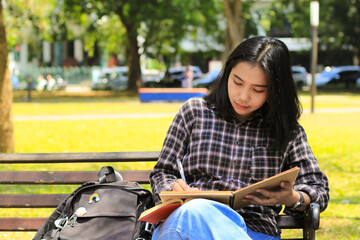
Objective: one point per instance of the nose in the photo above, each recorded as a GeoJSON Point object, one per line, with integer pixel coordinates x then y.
{"type": "Point", "coordinates": [244, 96]}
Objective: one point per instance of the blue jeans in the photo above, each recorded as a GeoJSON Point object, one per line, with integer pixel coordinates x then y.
{"type": "Point", "coordinates": [205, 219]}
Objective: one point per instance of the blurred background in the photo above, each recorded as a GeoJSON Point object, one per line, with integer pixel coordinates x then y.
{"type": "Point", "coordinates": [71, 70]}
{"type": "Point", "coordinates": [90, 45]}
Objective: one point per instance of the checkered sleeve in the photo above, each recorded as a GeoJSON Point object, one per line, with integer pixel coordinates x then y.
{"type": "Point", "coordinates": [310, 179]}
{"type": "Point", "coordinates": [165, 172]}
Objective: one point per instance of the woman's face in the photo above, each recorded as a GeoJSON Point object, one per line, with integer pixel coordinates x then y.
{"type": "Point", "coordinates": [247, 88]}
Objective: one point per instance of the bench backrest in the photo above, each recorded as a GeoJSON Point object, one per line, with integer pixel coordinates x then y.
{"type": "Point", "coordinates": [11, 179]}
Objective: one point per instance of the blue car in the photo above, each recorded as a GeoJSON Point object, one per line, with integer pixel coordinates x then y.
{"type": "Point", "coordinates": [347, 75]}
{"type": "Point", "coordinates": [207, 79]}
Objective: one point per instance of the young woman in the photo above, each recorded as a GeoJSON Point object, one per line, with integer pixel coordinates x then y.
{"type": "Point", "coordinates": [245, 130]}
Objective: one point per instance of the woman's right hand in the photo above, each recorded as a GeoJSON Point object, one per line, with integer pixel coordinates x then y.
{"type": "Point", "coordinates": [180, 185]}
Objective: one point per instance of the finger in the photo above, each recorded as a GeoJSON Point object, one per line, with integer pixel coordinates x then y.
{"type": "Point", "coordinates": [177, 187]}
{"type": "Point", "coordinates": [183, 185]}
{"type": "Point", "coordinates": [253, 199]}
{"type": "Point", "coordinates": [180, 185]}
{"type": "Point", "coordinates": [262, 193]}
{"type": "Point", "coordinates": [264, 201]}
{"type": "Point", "coordinates": [285, 185]}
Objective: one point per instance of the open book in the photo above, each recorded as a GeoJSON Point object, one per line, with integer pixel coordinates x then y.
{"type": "Point", "coordinates": [171, 200]}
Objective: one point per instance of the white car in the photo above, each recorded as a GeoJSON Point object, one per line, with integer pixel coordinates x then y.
{"type": "Point", "coordinates": [301, 76]}
{"type": "Point", "coordinates": [111, 79]}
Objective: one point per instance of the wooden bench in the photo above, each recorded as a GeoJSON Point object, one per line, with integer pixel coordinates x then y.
{"type": "Point", "coordinates": [309, 223]}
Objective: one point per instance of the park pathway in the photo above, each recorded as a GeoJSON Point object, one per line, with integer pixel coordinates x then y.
{"type": "Point", "coordinates": [93, 116]}
{"type": "Point", "coordinates": [148, 115]}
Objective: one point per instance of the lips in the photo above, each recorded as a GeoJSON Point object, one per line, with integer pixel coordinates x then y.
{"type": "Point", "coordinates": [241, 107]}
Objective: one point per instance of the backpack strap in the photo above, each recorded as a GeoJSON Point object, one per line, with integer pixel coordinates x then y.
{"type": "Point", "coordinates": [109, 174]}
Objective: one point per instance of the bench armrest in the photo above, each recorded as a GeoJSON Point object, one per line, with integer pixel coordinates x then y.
{"type": "Point", "coordinates": [311, 221]}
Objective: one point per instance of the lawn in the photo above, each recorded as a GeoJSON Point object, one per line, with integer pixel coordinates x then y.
{"type": "Point", "coordinates": [334, 138]}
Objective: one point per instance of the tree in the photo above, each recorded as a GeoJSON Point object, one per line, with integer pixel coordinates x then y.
{"type": "Point", "coordinates": [339, 22]}
{"type": "Point", "coordinates": [237, 14]}
{"type": "Point", "coordinates": [29, 21]}
{"type": "Point", "coordinates": [152, 26]}
{"type": "Point", "coordinates": [344, 27]}
{"type": "Point", "coordinates": [6, 95]}
{"type": "Point", "coordinates": [235, 25]}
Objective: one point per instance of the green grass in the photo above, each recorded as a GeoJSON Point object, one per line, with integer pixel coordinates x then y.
{"type": "Point", "coordinates": [334, 138]}
{"type": "Point", "coordinates": [105, 135]}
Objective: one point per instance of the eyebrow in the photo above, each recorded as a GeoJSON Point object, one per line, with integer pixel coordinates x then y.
{"type": "Point", "coordinates": [256, 85]}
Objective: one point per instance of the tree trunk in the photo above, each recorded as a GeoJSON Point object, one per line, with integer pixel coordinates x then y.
{"type": "Point", "coordinates": [356, 60]}
{"type": "Point", "coordinates": [135, 80]}
{"type": "Point", "coordinates": [133, 57]}
{"type": "Point", "coordinates": [235, 27]}
{"type": "Point", "coordinates": [6, 94]}
{"type": "Point", "coordinates": [356, 44]}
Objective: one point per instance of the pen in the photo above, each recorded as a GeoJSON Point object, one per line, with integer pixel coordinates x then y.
{"type": "Point", "coordinates": [181, 170]}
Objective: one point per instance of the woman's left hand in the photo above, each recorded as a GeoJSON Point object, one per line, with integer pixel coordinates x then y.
{"type": "Point", "coordinates": [286, 195]}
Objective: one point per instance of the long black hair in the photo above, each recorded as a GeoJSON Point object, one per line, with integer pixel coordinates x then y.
{"type": "Point", "coordinates": [282, 108]}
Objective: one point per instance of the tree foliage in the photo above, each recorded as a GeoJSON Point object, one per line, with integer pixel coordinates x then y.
{"type": "Point", "coordinates": [29, 21]}
{"type": "Point", "coordinates": [130, 27]}
{"type": "Point", "coordinates": [152, 27]}
{"type": "Point", "coordinates": [339, 22]}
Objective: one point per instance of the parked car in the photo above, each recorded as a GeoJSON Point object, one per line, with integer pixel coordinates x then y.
{"type": "Point", "coordinates": [207, 79]}
{"type": "Point", "coordinates": [172, 77]}
{"type": "Point", "coordinates": [301, 76]}
{"type": "Point", "coordinates": [111, 79]}
{"type": "Point", "coordinates": [347, 75]}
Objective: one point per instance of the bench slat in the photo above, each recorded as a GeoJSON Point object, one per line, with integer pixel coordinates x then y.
{"type": "Point", "coordinates": [78, 157]}
{"type": "Point", "coordinates": [65, 177]}
{"type": "Point", "coordinates": [21, 224]}
{"type": "Point", "coordinates": [31, 200]}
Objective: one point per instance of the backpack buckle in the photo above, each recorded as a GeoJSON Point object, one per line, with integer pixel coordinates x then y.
{"type": "Point", "coordinates": [61, 223]}
{"type": "Point", "coordinates": [147, 227]}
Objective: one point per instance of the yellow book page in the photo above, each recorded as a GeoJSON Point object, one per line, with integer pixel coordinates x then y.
{"type": "Point", "coordinates": [219, 196]}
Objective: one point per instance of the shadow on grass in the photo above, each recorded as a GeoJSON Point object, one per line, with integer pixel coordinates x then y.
{"type": "Point", "coordinates": [63, 96]}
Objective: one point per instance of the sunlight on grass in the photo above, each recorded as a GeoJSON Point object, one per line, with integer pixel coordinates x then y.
{"type": "Point", "coordinates": [105, 135]}
{"type": "Point", "coordinates": [92, 107]}
{"type": "Point", "coordinates": [331, 101]}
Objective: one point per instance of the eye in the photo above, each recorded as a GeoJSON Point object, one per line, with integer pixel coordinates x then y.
{"type": "Point", "coordinates": [238, 83]}
{"type": "Point", "coordinates": [258, 90]}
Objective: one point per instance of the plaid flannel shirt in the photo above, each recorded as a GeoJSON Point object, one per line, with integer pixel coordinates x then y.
{"type": "Point", "coordinates": [222, 155]}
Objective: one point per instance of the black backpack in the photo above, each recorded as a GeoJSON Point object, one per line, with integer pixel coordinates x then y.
{"type": "Point", "coordinates": [107, 209]}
